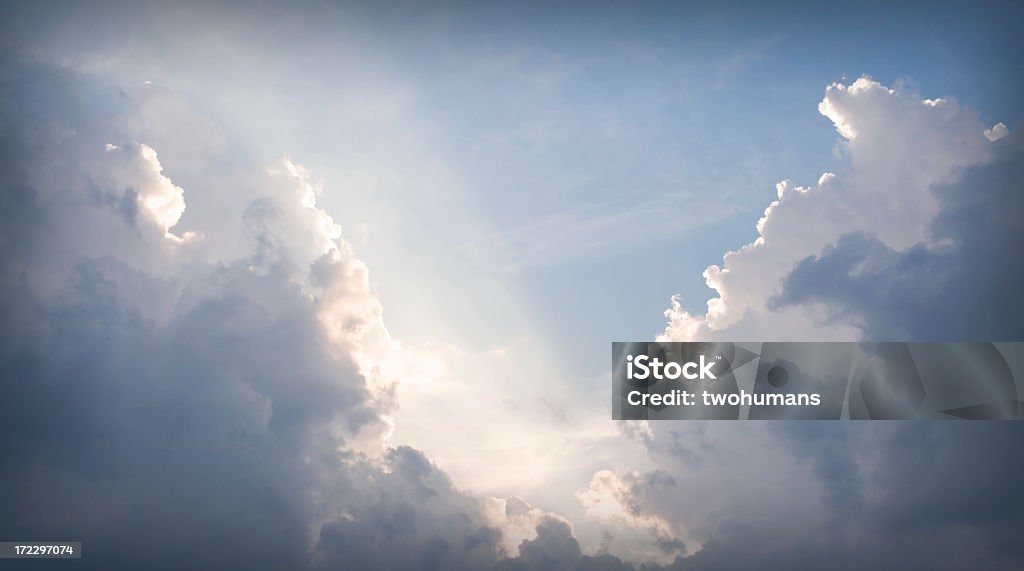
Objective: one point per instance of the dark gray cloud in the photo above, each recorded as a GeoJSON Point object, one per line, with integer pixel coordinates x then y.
{"type": "Point", "coordinates": [406, 517]}
{"type": "Point", "coordinates": [192, 442]}
{"type": "Point", "coordinates": [967, 287]}
{"type": "Point", "coordinates": [921, 495]}
{"type": "Point", "coordinates": [555, 549]}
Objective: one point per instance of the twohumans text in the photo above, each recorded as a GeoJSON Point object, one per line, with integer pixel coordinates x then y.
{"type": "Point", "coordinates": [686, 398]}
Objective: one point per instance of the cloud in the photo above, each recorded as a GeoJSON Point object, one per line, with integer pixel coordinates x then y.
{"type": "Point", "coordinates": [959, 285]}
{"type": "Point", "coordinates": [813, 495]}
{"type": "Point", "coordinates": [167, 394]}
{"type": "Point", "coordinates": [404, 514]}
{"type": "Point", "coordinates": [156, 197]}
{"type": "Point", "coordinates": [915, 238]}
{"type": "Point", "coordinates": [629, 498]}
{"type": "Point", "coordinates": [897, 148]}
{"type": "Point", "coordinates": [208, 364]}
{"type": "Point", "coordinates": [998, 131]}
{"type": "Point", "coordinates": [556, 549]}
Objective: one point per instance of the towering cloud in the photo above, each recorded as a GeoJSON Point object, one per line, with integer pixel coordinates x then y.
{"type": "Point", "coordinates": [165, 396]}
{"type": "Point", "coordinates": [915, 238]}
{"type": "Point", "coordinates": [898, 150]}
{"type": "Point", "coordinates": [188, 384]}
{"type": "Point", "coordinates": [960, 285]}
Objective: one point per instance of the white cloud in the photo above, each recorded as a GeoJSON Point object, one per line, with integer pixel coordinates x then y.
{"type": "Point", "coordinates": [626, 498]}
{"type": "Point", "coordinates": [243, 377]}
{"type": "Point", "coordinates": [998, 131]}
{"type": "Point", "coordinates": [897, 147]}
{"type": "Point", "coordinates": [160, 199]}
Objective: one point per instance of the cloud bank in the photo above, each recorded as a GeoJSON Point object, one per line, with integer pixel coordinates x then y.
{"type": "Point", "coordinates": [193, 382]}
{"type": "Point", "coordinates": [916, 237]}
{"type": "Point", "coordinates": [899, 150]}
{"type": "Point", "coordinates": [959, 285]}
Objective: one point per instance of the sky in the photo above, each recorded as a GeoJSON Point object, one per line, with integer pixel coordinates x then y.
{"type": "Point", "coordinates": [336, 282]}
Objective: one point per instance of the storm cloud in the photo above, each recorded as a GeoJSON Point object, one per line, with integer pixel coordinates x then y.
{"type": "Point", "coordinates": [964, 285]}
{"type": "Point", "coordinates": [172, 402]}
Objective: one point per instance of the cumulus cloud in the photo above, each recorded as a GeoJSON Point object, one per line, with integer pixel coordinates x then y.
{"type": "Point", "coordinates": [628, 498]}
{"type": "Point", "coordinates": [796, 496]}
{"type": "Point", "coordinates": [156, 197]}
{"type": "Point", "coordinates": [166, 395]}
{"type": "Point", "coordinates": [403, 513]}
{"type": "Point", "coordinates": [960, 285]}
{"type": "Point", "coordinates": [914, 238]}
{"type": "Point", "coordinates": [897, 148]}
{"type": "Point", "coordinates": [824, 495]}
{"type": "Point", "coordinates": [636, 430]}
{"type": "Point", "coordinates": [211, 397]}
{"type": "Point", "coordinates": [998, 131]}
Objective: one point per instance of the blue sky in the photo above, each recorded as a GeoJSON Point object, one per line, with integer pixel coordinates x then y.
{"type": "Point", "coordinates": [557, 131]}
{"type": "Point", "coordinates": [586, 111]}
{"type": "Point", "coordinates": [580, 113]}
